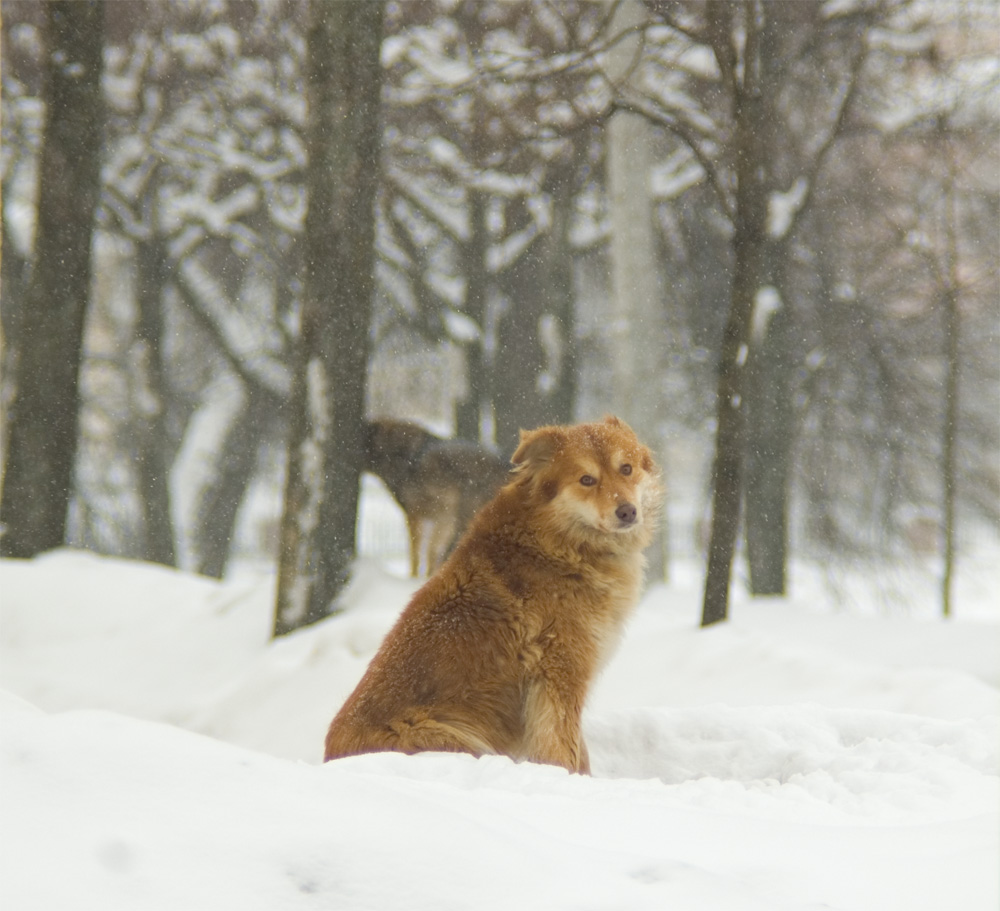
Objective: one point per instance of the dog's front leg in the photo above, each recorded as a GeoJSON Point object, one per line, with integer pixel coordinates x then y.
{"type": "Point", "coordinates": [552, 727]}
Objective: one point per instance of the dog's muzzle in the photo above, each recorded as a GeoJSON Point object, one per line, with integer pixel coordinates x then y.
{"type": "Point", "coordinates": [626, 514]}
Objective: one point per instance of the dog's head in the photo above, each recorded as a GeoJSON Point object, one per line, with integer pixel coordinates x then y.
{"type": "Point", "coordinates": [594, 484]}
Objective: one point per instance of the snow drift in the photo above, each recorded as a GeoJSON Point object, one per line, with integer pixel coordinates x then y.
{"type": "Point", "coordinates": [794, 758]}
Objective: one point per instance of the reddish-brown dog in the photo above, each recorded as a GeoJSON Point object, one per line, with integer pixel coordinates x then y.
{"type": "Point", "coordinates": [496, 652]}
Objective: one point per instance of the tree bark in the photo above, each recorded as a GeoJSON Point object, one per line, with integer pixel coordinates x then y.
{"type": "Point", "coordinates": [749, 239]}
{"type": "Point", "coordinates": [727, 468]}
{"type": "Point", "coordinates": [41, 452]}
{"type": "Point", "coordinates": [535, 368]}
{"type": "Point", "coordinates": [950, 435]}
{"type": "Point", "coordinates": [520, 357]}
{"type": "Point", "coordinates": [215, 522]}
{"type": "Point", "coordinates": [560, 293]}
{"type": "Point", "coordinates": [469, 413]}
{"type": "Point", "coordinates": [154, 452]}
{"type": "Point", "coordinates": [326, 445]}
{"type": "Point", "coordinates": [768, 455]}
{"type": "Point", "coordinates": [637, 324]}
{"type": "Point", "coordinates": [769, 441]}
{"type": "Point", "coordinates": [952, 325]}
{"type": "Point", "coordinates": [637, 329]}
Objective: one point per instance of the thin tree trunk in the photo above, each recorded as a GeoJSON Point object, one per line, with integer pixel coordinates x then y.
{"type": "Point", "coordinates": [469, 414]}
{"type": "Point", "coordinates": [520, 357]}
{"type": "Point", "coordinates": [727, 469]}
{"type": "Point", "coordinates": [41, 450]}
{"type": "Point", "coordinates": [154, 452]}
{"type": "Point", "coordinates": [326, 438]}
{"type": "Point", "coordinates": [949, 433]}
{"type": "Point", "coordinates": [217, 512]}
{"type": "Point", "coordinates": [768, 455]}
{"type": "Point", "coordinates": [952, 337]}
{"type": "Point", "coordinates": [749, 238]}
{"type": "Point", "coordinates": [560, 291]}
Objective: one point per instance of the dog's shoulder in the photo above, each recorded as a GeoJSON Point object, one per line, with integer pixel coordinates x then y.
{"type": "Point", "coordinates": [465, 462]}
{"type": "Point", "coordinates": [397, 438]}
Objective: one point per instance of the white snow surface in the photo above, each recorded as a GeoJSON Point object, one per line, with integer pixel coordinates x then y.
{"type": "Point", "coordinates": [158, 751]}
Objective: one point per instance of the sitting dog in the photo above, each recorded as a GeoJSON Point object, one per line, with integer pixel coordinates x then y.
{"type": "Point", "coordinates": [439, 483]}
{"type": "Point", "coordinates": [496, 652]}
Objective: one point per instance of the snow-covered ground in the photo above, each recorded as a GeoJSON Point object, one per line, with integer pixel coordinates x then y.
{"type": "Point", "coordinates": [157, 751]}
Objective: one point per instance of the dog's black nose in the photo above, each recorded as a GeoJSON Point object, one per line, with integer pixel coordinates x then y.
{"type": "Point", "coordinates": [626, 513]}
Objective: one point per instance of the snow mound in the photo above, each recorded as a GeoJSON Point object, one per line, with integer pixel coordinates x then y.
{"type": "Point", "coordinates": [134, 814]}
{"type": "Point", "coordinates": [794, 758]}
{"type": "Point", "coordinates": [827, 764]}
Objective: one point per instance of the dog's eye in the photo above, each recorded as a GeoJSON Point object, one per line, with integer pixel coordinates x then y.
{"type": "Point", "coordinates": [588, 480]}
{"type": "Point", "coordinates": [626, 469]}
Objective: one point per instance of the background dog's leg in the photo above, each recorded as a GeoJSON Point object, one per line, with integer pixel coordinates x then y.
{"type": "Point", "coordinates": [413, 524]}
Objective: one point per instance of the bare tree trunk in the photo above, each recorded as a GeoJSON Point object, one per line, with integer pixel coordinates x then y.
{"type": "Point", "coordinates": [769, 441]}
{"type": "Point", "coordinates": [637, 329]}
{"type": "Point", "coordinates": [215, 521]}
{"type": "Point", "coordinates": [520, 357]}
{"type": "Point", "coordinates": [727, 468]}
{"type": "Point", "coordinates": [41, 449]}
{"type": "Point", "coordinates": [469, 414]}
{"type": "Point", "coordinates": [952, 337]}
{"type": "Point", "coordinates": [769, 430]}
{"type": "Point", "coordinates": [535, 369]}
{"type": "Point", "coordinates": [749, 239]}
{"type": "Point", "coordinates": [154, 452]}
{"type": "Point", "coordinates": [560, 292]}
{"type": "Point", "coordinates": [949, 434]}
{"type": "Point", "coordinates": [326, 437]}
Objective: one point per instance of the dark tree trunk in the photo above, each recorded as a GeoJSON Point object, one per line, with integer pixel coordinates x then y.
{"type": "Point", "coordinates": [326, 445]}
{"type": "Point", "coordinates": [949, 472]}
{"type": "Point", "coordinates": [560, 293]}
{"type": "Point", "coordinates": [535, 365]}
{"type": "Point", "coordinates": [154, 450]}
{"type": "Point", "coordinates": [520, 358]}
{"type": "Point", "coordinates": [769, 443]}
{"type": "Point", "coordinates": [727, 469]}
{"type": "Point", "coordinates": [952, 326]}
{"type": "Point", "coordinates": [749, 239]}
{"type": "Point", "coordinates": [469, 414]}
{"type": "Point", "coordinates": [42, 441]}
{"type": "Point", "coordinates": [220, 504]}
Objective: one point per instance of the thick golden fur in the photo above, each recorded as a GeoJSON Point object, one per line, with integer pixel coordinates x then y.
{"type": "Point", "coordinates": [496, 652]}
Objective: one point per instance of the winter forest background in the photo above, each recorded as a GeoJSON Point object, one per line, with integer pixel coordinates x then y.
{"type": "Point", "coordinates": [764, 233]}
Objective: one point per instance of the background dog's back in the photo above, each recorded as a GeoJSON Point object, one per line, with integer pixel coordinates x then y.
{"type": "Point", "coordinates": [439, 483]}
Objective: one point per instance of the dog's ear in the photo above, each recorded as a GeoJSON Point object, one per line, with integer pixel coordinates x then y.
{"type": "Point", "coordinates": [614, 421]}
{"type": "Point", "coordinates": [537, 447]}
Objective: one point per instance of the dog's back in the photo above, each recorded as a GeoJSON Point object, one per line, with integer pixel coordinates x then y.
{"type": "Point", "coordinates": [393, 450]}
{"type": "Point", "coordinates": [476, 472]}
{"type": "Point", "coordinates": [438, 482]}
{"type": "Point", "coordinates": [496, 652]}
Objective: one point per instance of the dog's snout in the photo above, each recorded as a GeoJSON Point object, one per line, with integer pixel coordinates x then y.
{"type": "Point", "coordinates": [626, 513]}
